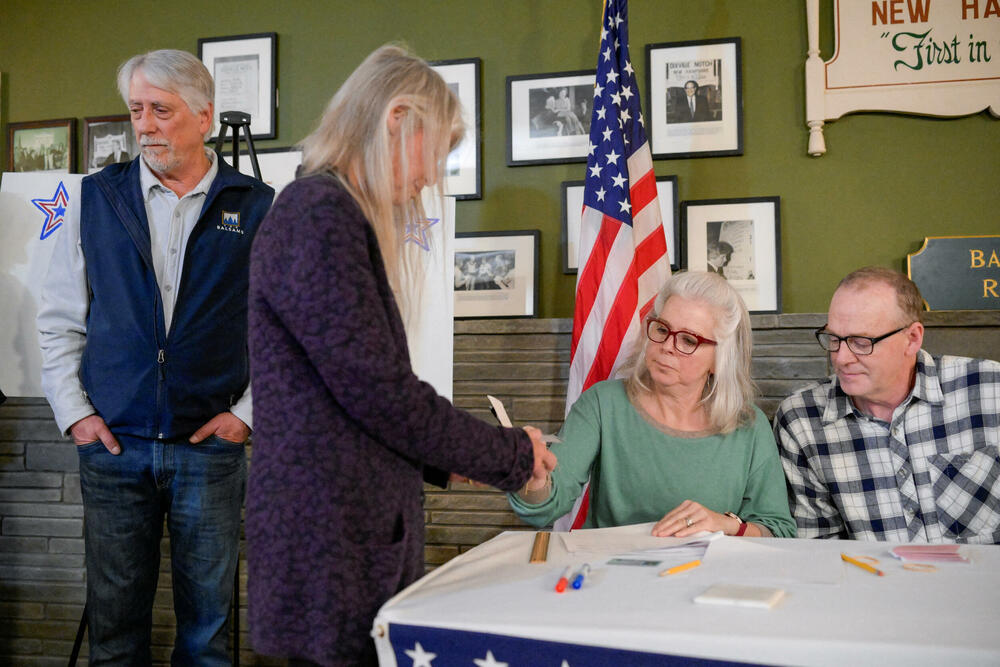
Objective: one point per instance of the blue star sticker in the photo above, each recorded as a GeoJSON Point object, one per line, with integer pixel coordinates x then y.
{"type": "Point", "coordinates": [416, 232]}
{"type": "Point", "coordinates": [54, 210]}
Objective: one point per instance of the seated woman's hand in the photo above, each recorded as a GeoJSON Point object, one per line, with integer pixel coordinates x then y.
{"type": "Point", "coordinates": [545, 461]}
{"type": "Point", "coordinates": [689, 518]}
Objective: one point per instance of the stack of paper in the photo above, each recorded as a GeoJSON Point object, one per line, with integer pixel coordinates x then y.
{"type": "Point", "coordinates": [938, 553]}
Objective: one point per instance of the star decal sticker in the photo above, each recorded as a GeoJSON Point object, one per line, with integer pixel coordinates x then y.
{"type": "Point", "coordinates": [54, 210]}
{"type": "Point", "coordinates": [416, 232]}
{"type": "Point", "coordinates": [420, 657]}
{"type": "Point", "coordinates": [489, 661]}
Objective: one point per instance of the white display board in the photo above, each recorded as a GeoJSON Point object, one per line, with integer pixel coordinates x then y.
{"type": "Point", "coordinates": [34, 207]}
{"type": "Point", "coordinates": [938, 58]}
{"type": "Point", "coordinates": [430, 331]}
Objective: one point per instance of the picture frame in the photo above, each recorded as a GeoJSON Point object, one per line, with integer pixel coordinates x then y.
{"type": "Point", "coordinates": [463, 172]}
{"type": "Point", "coordinates": [548, 117]}
{"type": "Point", "coordinates": [245, 69]}
{"type": "Point", "coordinates": [277, 165]}
{"type": "Point", "coordinates": [42, 145]}
{"type": "Point", "coordinates": [739, 239]}
{"type": "Point", "coordinates": [496, 274]}
{"type": "Point", "coordinates": [107, 140]}
{"type": "Point", "coordinates": [695, 98]}
{"type": "Point", "coordinates": [572, 218]}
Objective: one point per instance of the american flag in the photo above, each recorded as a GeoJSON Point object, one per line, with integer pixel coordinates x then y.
{"type": "Point", "coordinates": [623, 250]}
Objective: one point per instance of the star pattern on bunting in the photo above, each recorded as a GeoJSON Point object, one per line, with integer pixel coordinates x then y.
{"type": "Point", "coordinates": [489, 661]}
{"type": "Point", "coordinates": [420, 657]}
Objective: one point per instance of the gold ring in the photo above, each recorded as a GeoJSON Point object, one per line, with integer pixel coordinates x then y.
{"type": "Point", "coordinates": [688, 521]}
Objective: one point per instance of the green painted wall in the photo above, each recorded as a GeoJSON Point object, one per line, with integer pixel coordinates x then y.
{"type": "Point", "coordinates": [886, 182]}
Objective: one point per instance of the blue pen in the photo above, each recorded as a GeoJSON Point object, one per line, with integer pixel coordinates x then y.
{"type": "Point", "coordinates": [581, 576]}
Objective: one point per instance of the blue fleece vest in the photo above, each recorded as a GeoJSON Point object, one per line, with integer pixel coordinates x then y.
{"type": "Point", "coordinates": [143, 380]}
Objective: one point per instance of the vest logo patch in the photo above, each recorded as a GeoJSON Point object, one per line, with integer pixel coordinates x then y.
{"type": "Point", "coordinates": [230, 222]}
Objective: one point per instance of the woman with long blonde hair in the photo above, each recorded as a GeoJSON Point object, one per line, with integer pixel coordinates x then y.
{"type": "Point", "coordinates": [345, 433]}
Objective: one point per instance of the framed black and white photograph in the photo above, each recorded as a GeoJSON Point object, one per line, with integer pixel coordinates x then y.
{"type": "Point", "coordinates": [740, 239]}
{"type": "Point", "coordinates": [107, 140]}
{"type": "Point", "coordinates": [42, 145]}
{"type": "Point", "coordinates": [572, 218]}
{"type": "Point", "coordinates": [245, 71]}
{"type": "Point", "coordinates": [463, 176]}
{"type": "Point", "coordinates": [496, 274]}
{"type": "Point", "coordinates": [695, 98]}
{"type": "Point", "coordinates": [277, 165]}
{"type": "Point", "coordinates": [548, 117]}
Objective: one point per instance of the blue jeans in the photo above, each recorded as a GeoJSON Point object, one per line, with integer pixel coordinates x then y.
{"type": "Point", "coordinates": [199, 488]}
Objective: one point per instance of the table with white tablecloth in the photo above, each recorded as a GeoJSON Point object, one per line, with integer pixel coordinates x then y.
{"type": "Point", "coordinates": [490, 607]}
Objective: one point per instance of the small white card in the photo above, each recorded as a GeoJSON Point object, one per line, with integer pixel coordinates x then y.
{"type": "Point", "coordinates": [504, 420]}
{"type": "Point", "coordinates": [761, 597]}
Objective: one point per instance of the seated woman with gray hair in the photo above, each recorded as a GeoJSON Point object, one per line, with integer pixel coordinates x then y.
{"type": "Point", "coordinates": [679, 441]}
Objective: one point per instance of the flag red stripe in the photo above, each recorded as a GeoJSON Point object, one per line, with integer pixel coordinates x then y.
{"type": "Point", "coordinates": [615, 328]}
{"type": "Point", "coordinates": [591, 275]}
{"type": "Point", "coordinates": [643, 191]}
{"type": "Point", "coordinates": [650, 250]}
{"type": "Point", "coordinates": [581, 515]}
{"type": "Point", "coordinates": [646, 308]}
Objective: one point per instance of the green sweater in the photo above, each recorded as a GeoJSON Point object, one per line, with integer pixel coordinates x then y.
{"type": "Point", "coordinates": [640, 470]}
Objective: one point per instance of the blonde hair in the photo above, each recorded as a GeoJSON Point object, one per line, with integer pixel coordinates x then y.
{"type": "Point", "coordinates": [353, 141]}
{"type": "Point", "coordinates": [730, 391]}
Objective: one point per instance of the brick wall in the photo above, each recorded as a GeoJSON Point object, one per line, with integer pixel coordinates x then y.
{"type": "Point", "coordinates": [523, 362]}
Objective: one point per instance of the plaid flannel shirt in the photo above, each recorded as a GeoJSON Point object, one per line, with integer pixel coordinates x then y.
{"type": "Point", "coordinates": [932, 474]}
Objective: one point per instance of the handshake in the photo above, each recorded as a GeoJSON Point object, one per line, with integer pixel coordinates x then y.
{"type": "Point", "coordinates": [545, 461]}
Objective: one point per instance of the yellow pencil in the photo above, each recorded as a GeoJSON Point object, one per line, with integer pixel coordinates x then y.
{"type": "Point", "coordinates": [680, 568]}
{"type": "Point", "coordinates": [863, 566]}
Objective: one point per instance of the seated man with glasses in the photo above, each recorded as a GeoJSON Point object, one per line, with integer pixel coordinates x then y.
{"type": "Point", "coordinates": [897, 445]}
{"type": "Point", "coordinates": [679, 440]}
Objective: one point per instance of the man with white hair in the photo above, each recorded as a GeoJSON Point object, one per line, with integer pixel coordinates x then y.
{"type": "Point", "coordinates": [143, 329]}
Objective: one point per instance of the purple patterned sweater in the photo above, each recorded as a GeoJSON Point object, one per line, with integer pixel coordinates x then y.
{"type": "Point", "coordinates": [343, 431]}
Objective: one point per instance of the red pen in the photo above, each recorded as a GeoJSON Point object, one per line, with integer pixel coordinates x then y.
{"type": "Point", "coordinates": [564, 579]}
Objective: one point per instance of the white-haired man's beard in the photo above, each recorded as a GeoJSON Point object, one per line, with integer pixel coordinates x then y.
{"type": "Point", "coordinates": [162, 160]}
